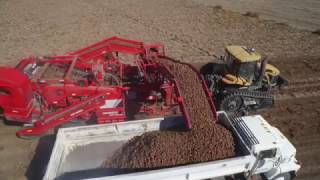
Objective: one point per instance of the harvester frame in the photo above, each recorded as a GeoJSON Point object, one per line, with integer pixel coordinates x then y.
{"type": "Point", "coordinates": [95, 83]}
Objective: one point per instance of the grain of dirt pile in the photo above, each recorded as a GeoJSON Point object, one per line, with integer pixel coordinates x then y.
{"type": "Point", "coordinates": [206, 141]}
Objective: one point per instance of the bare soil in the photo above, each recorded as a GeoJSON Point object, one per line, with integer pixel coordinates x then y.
{"type": "Point", "coordinates": [300, 14]}
{"type": "Point", "coordinates": [297, 112]}
{"type": "Point", "coordinates": [190, 31]}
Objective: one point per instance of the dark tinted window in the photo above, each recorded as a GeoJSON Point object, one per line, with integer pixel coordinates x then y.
{"type": "Point", "coordinates": [268, 153]}
{"type": "Point", "coordinates": [247, 70]}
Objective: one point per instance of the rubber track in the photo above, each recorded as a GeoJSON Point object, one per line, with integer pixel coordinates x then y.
{"type": "Point", "coordinates": [252, 94]}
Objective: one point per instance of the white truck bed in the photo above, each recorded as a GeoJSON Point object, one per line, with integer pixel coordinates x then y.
{"type": "Point", "coordinates": [79, 152]}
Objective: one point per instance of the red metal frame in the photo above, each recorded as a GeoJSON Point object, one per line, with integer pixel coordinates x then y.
{"type": "Point", "coordinates": [91, 82]}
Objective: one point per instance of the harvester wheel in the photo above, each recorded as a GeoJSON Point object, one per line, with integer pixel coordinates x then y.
{"type": "Point", "coordinates": [231, 103]}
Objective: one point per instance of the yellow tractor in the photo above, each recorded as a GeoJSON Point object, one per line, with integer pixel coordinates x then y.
{"type": "Point", "coordinates": [242, 83]}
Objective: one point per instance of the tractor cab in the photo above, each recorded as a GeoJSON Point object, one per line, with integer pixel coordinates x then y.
{"type": "Point", "coordinates": [242, 63]}
{"type": "Point", "coordinates": [245, 67]}
{"type": "Point", "coordinates": [243, 81]}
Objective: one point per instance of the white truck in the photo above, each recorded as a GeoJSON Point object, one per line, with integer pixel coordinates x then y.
{"type": "Point", "coordinates": [262, 150]}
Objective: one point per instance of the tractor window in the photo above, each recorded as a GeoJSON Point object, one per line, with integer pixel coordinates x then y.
{"type": "Point", "coordinates": [4, 92]}
{"type": "Point", "coordinates": [247, 70]}
{"type": "Point", "coordinates": [229, 61]}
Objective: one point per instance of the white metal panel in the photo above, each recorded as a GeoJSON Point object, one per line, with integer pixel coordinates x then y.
{"type": "Point", "coordinates": [55, 158]}
{"type": "Point", "coordinates": [199, 171]}
{"type": "Point", "coordinates": [263, 131]}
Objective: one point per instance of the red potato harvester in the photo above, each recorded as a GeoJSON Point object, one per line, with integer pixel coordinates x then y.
{"type": "Point", "coordinates": [113, 80]}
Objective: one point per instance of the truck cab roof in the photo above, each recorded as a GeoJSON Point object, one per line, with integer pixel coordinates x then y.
{"type": "Point", "coordinates": [259, 135]}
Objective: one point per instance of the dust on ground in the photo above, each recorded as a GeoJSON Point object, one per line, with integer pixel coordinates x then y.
{"type": "Point", "coordinates": [190, 31]}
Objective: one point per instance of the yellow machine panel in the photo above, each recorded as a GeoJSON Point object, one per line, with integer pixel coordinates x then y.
{"type": "Point", "coordinates": [243, 53]}
{"type": "Point", "coordinates": [270, 69]}
{"type": "Point", "coordinates": [231, 79]}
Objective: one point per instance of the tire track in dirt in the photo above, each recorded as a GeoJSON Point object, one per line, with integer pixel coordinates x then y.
{"type": "Point", "coordinates": [296, 82]}
{"type": "Point", "coordinates": [302, 92]}
{"type": "Point", "coordinates": [303, 77]}
{"type": "Point", "coordinates": [299, 120]}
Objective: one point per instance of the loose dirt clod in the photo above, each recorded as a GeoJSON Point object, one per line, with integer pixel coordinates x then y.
{"type": "Point", "coordinates": [206, 141]}
{"type": "Point", "coordinates": [251, 14]}
{"type": "Point", "coordinates": [316, 32]}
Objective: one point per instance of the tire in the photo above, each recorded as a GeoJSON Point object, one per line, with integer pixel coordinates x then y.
{"type": "Point", "coordinates": [266, 103]}
{"type": "Point", "coordinates": [284, 176]}
{"type": "Point", "coordinates": [232, 104]}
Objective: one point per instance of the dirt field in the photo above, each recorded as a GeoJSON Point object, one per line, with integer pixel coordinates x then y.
{"type": "Point", "coordinates": [191, 32]}
{"type": "Point", "coordinates": [298, 13]}
{"type": "Point", "coordinates": [297, 112]}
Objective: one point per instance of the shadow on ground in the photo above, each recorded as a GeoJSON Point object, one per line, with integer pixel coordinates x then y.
{"type": "Point", "coordinates": [37, 167]}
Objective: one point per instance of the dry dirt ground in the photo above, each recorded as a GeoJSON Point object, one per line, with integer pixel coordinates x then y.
{"type": "Point", "coordinates": [191, 32]}
{"type": "Point", "coordinates": [302, 14]}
